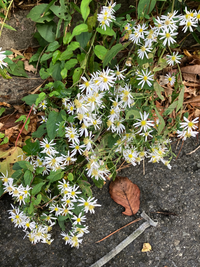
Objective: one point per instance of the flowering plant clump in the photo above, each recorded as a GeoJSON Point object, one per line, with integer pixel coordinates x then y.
{"type": "Point", "coordinates": [98, 109]}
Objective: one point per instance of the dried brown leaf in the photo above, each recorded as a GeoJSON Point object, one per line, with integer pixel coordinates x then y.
{"type": "Point", "coordinates": [28, 67]}
{"type": "Point", "coordinates": [125, 193]}
{"type": "Point", "coordinates": [193, 69]}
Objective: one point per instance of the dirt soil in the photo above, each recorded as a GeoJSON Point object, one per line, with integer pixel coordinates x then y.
{"type": "Point", "coordinates": [175, 241]}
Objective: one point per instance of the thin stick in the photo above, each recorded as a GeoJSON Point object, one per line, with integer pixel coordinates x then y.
{"type": "Point", "coordinates": [143, 168]}
{"type": "Point", "coordinates": [138, 219]}
{"type": "Point", "coordinates": [180, 150]}
{"type": "Point", "coordinates": [49, 201]}
{"type": "Point", "coordinates": [193, 151]}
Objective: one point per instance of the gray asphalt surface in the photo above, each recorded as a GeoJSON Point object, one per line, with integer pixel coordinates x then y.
{"type": "Point", "coordinates": [175, 241]}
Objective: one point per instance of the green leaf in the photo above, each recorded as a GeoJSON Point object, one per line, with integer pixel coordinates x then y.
{"type": "Point", "coordinates": [170, 108]}
{"type": "Point", "coordinates": [71, 63]}
{"type": "Point", "coordinates": [158, 90]}
{"type": "Point", "coordinates": [56, 70]}
{"type": "Point", "coordinates": [18, 69]}
{"type": "Point", "coordinates": [85, 10]}
{"type": "Point", "coordinates": [70, 177]}
{"type": "Point", "coordinates": [55, 176]}
{"type": "Point", "coordinates": [112, 53]}
{"type": "Point", "coordinates": [51, 124]}
{"type": "Point", "coordinates": [66, 55]}
{"type": "Point", "coordinates": [2, 135]}
{"type": "Point", "coordinates": [2, 111]}
{"type": "Point", "coordinates": [66, 38]}
{"type": "Point", "coordinates": [53, 46]}
{"type": "Point", "coordinates": [133, 112]}
{"type": "Point", "coordinates": [108, 31]}
{"type": "Point", "coordinates": [5, 141]}
{"type": "Point", "coordinates": [62, 218]}
{"type": "Point", "coordinates": [180, 98]}
{"type": "Point", "coordinates": [64, 73]}
{"type": "Point", "coordinates": [76, 75]}
{"type": "Point", "coordinates": [47, 31]}
{"type": "Point", "coordinates": [162, 63]}
{"type": "Point", "coordinates": [78, 30]}
{"type": "Point", "coordinates": [84, 38]}
{"type": "Point", "coordinates": [4, 74]}
{"type": "Point", "coordinates": [40, 98]}
{"type": "Point", "coordinates": [161, 122]}
{"type": "Point", "coordinates": [196, 37]}
{"type": "Point", "coordinates": [28, 176]}
{"type": "Point", "coordinates": [7, 26]}
{"type": "Point", "coordinates": [99, 183]}
{"type": "Point", "coordinates": [37, 188]}
{"type": "Point", "coordinates": [56, 56]}
{"type": "Point", "coordinates": [25, 165]}
{"type": "Point", "coordinates": [41, 130]}
{"type": "Point", "coordinates": [36, 14]}
{"type": "Point", "coordinates": [85, 187]}
{"type": "Point", "coordinates": [73, 46]}
{"type": "Point", "coordinates": [30, 208]}
{"type": "Point", "coordinates": [44, 74]}
{"type": "Point", "coordinates": [59, 11]}
{"type": "Point", "coordinates": [145, 7]}
{"type": "Point", "coordinates": [31, 148]}
{"type": "Point", "coordinates": [45, 57]}
{"type": "Point", "coordinates": [30, 99]}
{"type": "Point", "coordinates": [37, 200]}
{"type": "Point", "coordinates": [100, 51]}
{"type": "Point", "coordinates": [91, 21]}
{"type": "Point", "coordinates": [17, 174]}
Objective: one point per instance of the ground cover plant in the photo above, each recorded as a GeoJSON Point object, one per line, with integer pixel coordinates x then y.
{"type": "Point", "coordinates": [114, 92]}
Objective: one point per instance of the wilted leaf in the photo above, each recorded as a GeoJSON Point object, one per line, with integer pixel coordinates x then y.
{"type": "Point", "coordinates": [146, 247]}
{"type": "Point", "coordinates": [29, 67]}
{"type": "Point", "coordinates": [125, 193]}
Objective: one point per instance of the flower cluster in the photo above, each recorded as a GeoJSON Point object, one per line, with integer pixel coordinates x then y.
{"type": "Point", "coordinates": [106, 16]}
{"type": "Point", "coordinates": [188, 128]}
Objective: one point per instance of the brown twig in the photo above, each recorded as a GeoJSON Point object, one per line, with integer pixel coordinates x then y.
{"type": "Point", "coordinates": [193, 151]}
{"type": "Point", "coordinates": [121, 168]}
{"type": "Point", "coordinates": [49, 201]}
{"type": "Point", "coordinates": [180, 149]}
{"type": "Point", "coordinates": [138, 219]}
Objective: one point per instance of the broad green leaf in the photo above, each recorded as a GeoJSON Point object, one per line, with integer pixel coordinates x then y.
{"type": "Point", "coordinates": [28, 176]}
{"type": "Point", "coordinates": [73, 46]}
{"type": "Point", "coordinates": [108, 31]}
{"type": "Point", "coordinates": [47, 31]}
{"type": "Point", "coordinates": [180, 98]}
{"type": "Point", "coordinates": [99, 183]}
{"type": "Point", "coordinates": [40, 98]}
{"type": "Point", "coordinates": [78, 30]}
{"type": "Point", "coordinates": [37, 200]}
{"type": "Point", "coordinates": [51, 124]}
{"type": "Point", "coordinates": [44, 74]}
{"type": "Point", "coordinates": [31, 148]}
{"type": "Point", "coordinates": [161, 65]}
{"type": "Point", "coordinates": [158, 90]}
{"type": "Point", "coordinates": [18, 69]}
{"type": "Point", "coordinates": [133, 112]}
{"type": "Point", "coordinates": [37, 188]}
{"type": "Point", "coordinates": [30, 208]}
{"type": "Point", "coordinates": [91, 21]}
{"type": "Point", "coordinates": [100, 51]}
{"type": "Point", "coordinates": [30, 99]}
{"type": "Point", "coordinates": [66, 38]}
{"type": "Point", "coordinates": [64, 73]}
{"type": "Point", "coordinates": [66, 55]}
{"type": "Point", "coordinates": [59, 11]}
{"type": "Point", "coordinates": [5, 141]}
{"type": "Point", "coordinates": [71, 63]}
{"type": "Point", "coordinates": [161, 121]}
{"type": "Point", "coordinates": [56, 56]}
{"type": "Point", "coordinates": [55, 71]}
{"type": "Point", "coordinates": [36, 14]}
{"type": "Point", "coordinates": [170, 108]}
{"type": "Point", "coordinates": [76, 75]}
{"type": "Point", "coordinates": [55, 176]}
{"type": "Point", "coordinates": [145, 7]}
{"type": "Point", "coordinates": [84, 38]}
{"type": "Point", "coordinates": [41, 130]}
{"type": "Point", "coordinates": [85, 10]}
{"type": "Point", "coordinates": [112, 53]}
{"type": "Point", "coordinates": [45, 57]}
{"type": "Point", "coordinates": [70, 177]}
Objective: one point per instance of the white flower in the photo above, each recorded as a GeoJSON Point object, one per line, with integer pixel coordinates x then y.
{"type": "Point", "coordinates": [2, 57]}
{"type": "Point", "coordinates": [43, 104]}
{"type": "Point", "coordinates": [69, 158]}
{"type": "Point", "coordinates": [189, 125]}
{"type": "Point", "coordinates": [170, 79]}
{"type": "Point", "coordinates": [175, 58]}
{"type": "Point", "coordinates": [143, 51]}
{"type": "Point", "coordinates": [146, 134]}
{"type": "Point", "coordinates": [143, 123]}
{"type": "Point", "coordinates": [119, 74]}
{"type": "Point", "coordinates": [66, 237]}
{"type": "Point", "coordinates": [168, 37]}
{"type": "Point", "coordinates": [145, 77]}
{"type": "Point", "coordinates": [88, 204]}
{"type": "Point", "coordinates": [79, 219]}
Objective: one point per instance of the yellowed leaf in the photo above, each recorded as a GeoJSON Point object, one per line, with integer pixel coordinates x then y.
{"type": "Point", "coordinates": [8, 158]}
{"type": "Point", "coordinates": [146, 247]}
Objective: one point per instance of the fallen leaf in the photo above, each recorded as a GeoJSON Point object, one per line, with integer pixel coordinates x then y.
{"type": "Point", "coordinates": [16, 52]}
{"type": "Point", "coordinates": [194, 69]}
{"type": "Point", "coordinates": [146, 247]}
{"type": "Point", "coordinates": [125, 193]}
{"type": "Point", "coordinates": [8, 158]}
{"type": "Point", "coordinates": [195, 99]}
{"type": "Point", "coordinates": [5, 104]}
{"type": "Point", "coordinates": [29, 67]}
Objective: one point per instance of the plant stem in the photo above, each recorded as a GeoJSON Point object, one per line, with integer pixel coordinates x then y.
{"type": "Point", "coordinates": [5, 17]}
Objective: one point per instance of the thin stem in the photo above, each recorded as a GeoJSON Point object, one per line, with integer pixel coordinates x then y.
{"type": "Point", "coordinates": [5, 17]}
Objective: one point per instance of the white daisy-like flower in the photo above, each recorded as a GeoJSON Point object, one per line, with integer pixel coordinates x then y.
{"type": "Point", "coordinates": [168, 37]}
{"type": "Point", "coordinates": [189, 125]}
{"type": "Point", "coordinates": [170, 79]}
{"type": "Point", "coordinates": [143, 123]}
{"type": "Point", "coordinates": [173, 59]}
{"type": "Point", "coordinates": [145, 77]}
